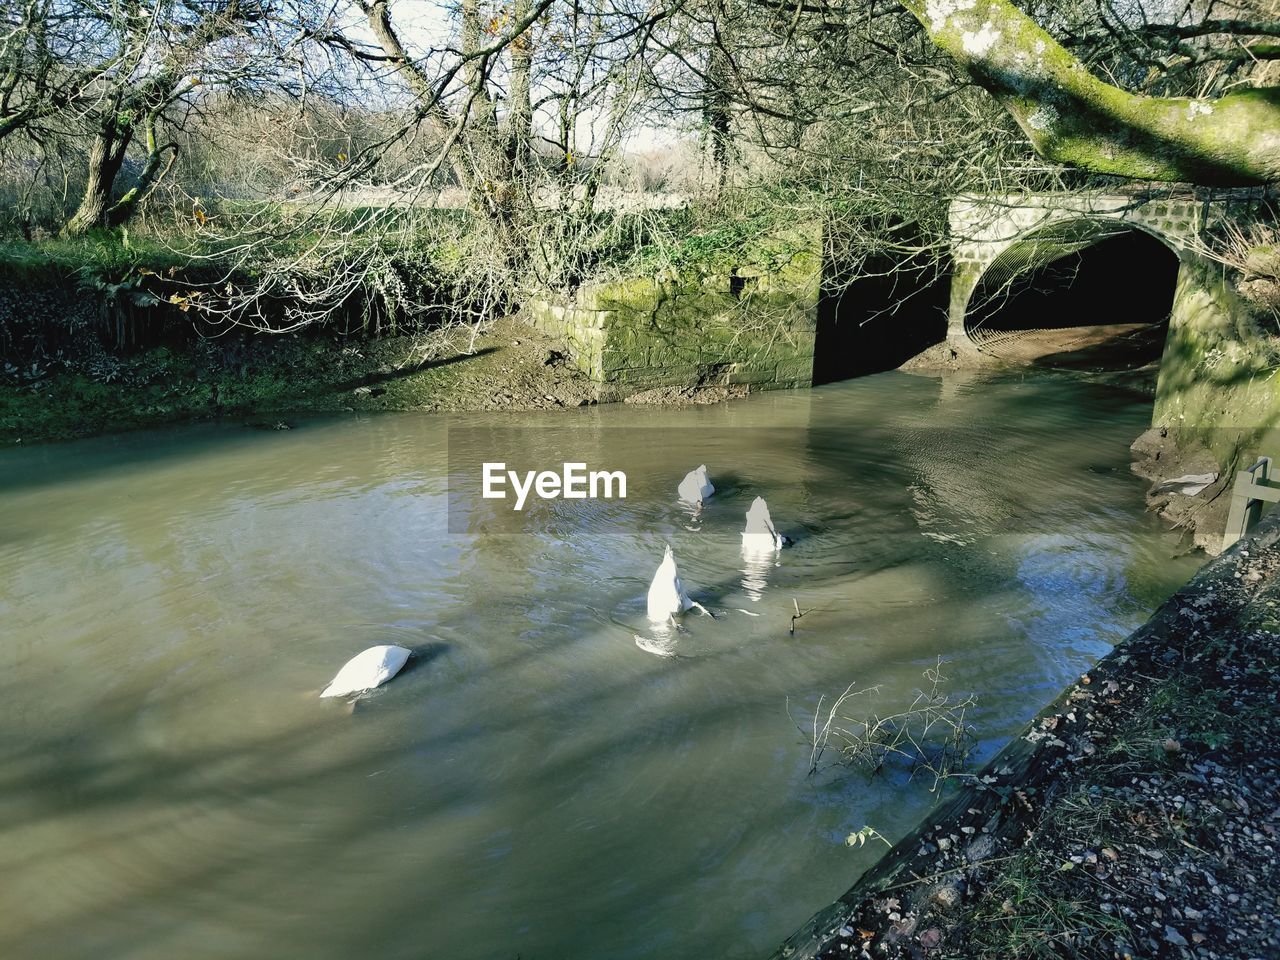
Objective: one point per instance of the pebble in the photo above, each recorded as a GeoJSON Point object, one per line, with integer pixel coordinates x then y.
{"type": "Point", "coordinates": [946, 897]}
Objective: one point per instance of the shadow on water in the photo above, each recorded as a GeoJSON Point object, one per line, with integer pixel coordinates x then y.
{"type": "Point", "coordinates": [422, 656]}
{"type": "Point", "coordinates": [84, 775]}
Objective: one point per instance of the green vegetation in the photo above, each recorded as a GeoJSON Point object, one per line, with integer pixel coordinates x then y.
{"type": "Point", "coordinates": [1027, 914]}
{"type": "Point", "coordinates": [105, 253]}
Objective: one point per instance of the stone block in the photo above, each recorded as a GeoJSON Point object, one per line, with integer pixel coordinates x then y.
{"type": "Point", "coordinates": [799, 371]}
{"type": "Point", "coordinates": [747, 373]}
{"type": "Point", "coordinates": [642, 294]}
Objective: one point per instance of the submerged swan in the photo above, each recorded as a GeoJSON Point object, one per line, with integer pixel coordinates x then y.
{"type": "Point", "coordinates": [761, 536]}
{"type": "Point", "coordinates": [695, 487]}
{"type": "Point", "coordinates": [667, 598]}
{"type": "Point", "coordinates": [366, 670]}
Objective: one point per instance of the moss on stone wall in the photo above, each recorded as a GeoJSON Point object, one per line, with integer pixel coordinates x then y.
{"type": "Point", "coordinates": [749, 322]}
{"type": "Point", "coordinates": [1218, 384]}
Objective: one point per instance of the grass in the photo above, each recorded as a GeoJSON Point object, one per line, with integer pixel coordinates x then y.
{"type": "Point", "coordinates": [108, 252]}
{"type": "Point", "coordinates": [743, 228]}
{"type": "Point", "coordinates": [114, 254]}
{"type": "Point", "coordinates": [261, 378]}
{"type": "Point", "coordinates": [1032, 919]}
{"type": "Point", "coordinates": [1039, 905]}
{"type": "Point", "coordinates": [152, 387]}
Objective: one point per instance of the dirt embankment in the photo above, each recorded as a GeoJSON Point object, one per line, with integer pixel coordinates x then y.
{"type": "Point", "coordinates": [1135, 817]}
{"type": "Point", "coordinates": [85, 389]}
{"type": "Point", "coordinates": [1178, 471]}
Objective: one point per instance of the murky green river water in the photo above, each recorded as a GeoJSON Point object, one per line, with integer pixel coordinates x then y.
{"type": "Point", "coordinates": [539, 784]}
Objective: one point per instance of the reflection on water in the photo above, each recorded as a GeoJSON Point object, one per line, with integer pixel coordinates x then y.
{"type": "Point", "coordinates": [536, 783]}
{"type": "Point", "coordinates": [756, 566]}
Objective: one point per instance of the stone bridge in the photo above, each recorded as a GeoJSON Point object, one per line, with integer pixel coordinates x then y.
{"type": "Point", "coordinates": [1218, 375]}
{"type": "Point", "coordinates": [995, 238]}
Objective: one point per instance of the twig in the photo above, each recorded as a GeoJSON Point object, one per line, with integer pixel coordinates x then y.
{"type": "Point", "coordinates": [797, 615]}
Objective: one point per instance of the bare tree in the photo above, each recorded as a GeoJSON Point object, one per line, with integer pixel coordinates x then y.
{"type": "Point", "coordinates": [49, 63]}
{"type": "Point", "coordinates": [161, 53]}
{"type": "Point", "coordinates": [526, 107]}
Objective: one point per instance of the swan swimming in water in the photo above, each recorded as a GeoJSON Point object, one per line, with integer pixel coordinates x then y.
{"type": "Point", "coordinates": [695, 487]}
{"type": "Point", "coordinates": [761, 536]}
{"type": "Point", "coordinates": [366, 670]}
{"type": "Point", "coordinates": [667, 598]}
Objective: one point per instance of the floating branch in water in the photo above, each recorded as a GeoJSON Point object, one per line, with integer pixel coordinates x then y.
{"type": "Point", "coordinates": [931, 734]}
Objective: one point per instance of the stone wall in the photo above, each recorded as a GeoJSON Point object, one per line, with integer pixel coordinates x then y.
{"type": "Point", "coordinates": [1219, 385]}
{"type": "Point", "coordinates": [752, 323]}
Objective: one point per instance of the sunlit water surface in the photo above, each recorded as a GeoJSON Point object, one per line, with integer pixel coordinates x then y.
{"type": "Point", "coordinates": [539, 784]}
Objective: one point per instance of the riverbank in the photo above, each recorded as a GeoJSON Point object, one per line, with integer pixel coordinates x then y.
{"type": "Point", "coordinates": [1134, 817]}
{"type": "Point", "coordinates": [263, 381]}
{"type": "Point", "coordinates": [99, 337]}
{"type": "Point", "coordinates": [84, 389]}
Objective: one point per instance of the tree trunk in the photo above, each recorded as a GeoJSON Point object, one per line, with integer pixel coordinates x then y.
{"type": "Point", "coordinates": [106, 155]}
{"type": "Point", "coordinates": [486, 164]}
{"type": "Point", "coordinates": [520, 107]}
{"type": "Point", "coordinates": [1072, 117]}
{"type": "Point", "coordinates": [475, 69]}
{"type": "Point", "coordinates": [378, 16]}
{"type": "Point", "coordinates": [716, 118]}
{"type": "Point", "coordinates": [495, 190]}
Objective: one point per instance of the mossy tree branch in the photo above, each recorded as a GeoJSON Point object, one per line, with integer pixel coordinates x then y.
{"type": "Point", "coordinates": [153, 171]}
{"type": "Point", "coordinates": [1073, 117]}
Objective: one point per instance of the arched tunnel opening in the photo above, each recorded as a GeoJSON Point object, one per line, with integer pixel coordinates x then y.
{"type": "Point", "coordinates": [1089, 296]}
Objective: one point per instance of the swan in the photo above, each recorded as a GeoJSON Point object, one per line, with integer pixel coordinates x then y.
{"type": "Point", "coordinates": [761, 536]}
{"type": "Point", "coordinates": [695, 487]}
{"type": "Point", "coordinates": [366, 670]}
{"type": "Point", "coordinates": [666, 595]}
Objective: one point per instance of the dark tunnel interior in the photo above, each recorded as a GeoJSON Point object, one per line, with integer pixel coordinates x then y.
{"type": "Point", "coordinates": [1105, 306]}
